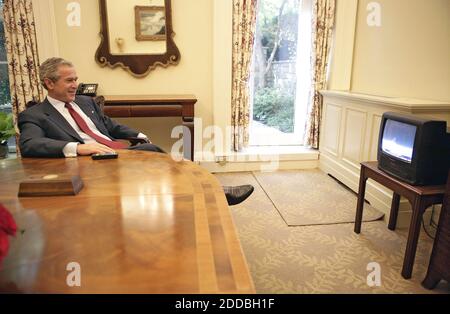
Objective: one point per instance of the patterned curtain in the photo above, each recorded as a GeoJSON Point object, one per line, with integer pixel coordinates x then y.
{"type": "Point", "coordinates": [22, 55]}
{"type": "Point", "coordinates": [244, 25]}
{"type": "Point", "coordinates": [322, 27]}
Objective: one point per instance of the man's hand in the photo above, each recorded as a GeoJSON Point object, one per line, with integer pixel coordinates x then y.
{"type": "Point", "coordinates": [93, 148]}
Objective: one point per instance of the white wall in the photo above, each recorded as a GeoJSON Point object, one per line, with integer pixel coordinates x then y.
{"type": "Point", "coordinates": [407, 56]}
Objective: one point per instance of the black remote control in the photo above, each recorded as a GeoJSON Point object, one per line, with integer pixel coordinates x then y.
{"type": "Point", "coordinates": [105, 156]}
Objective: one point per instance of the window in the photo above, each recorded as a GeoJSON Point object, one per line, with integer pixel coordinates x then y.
{"type": "Point", "coordinates": [280, 74]}
{"type": "Point", "coordinates": [5, 97]}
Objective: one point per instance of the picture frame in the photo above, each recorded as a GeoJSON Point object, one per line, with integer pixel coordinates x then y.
{"type": "Point", "coordinates": [150, 23]}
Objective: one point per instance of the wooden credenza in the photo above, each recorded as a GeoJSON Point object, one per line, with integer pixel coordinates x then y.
{"type": "Point", "coordinates": [126, 106]}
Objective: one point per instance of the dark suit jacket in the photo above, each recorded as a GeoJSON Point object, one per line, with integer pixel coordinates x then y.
{"type": "Point", "coordinates": [44, 131]}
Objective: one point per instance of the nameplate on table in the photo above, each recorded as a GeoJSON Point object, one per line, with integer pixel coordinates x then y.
{"type": "Point", "coordinates": [51, 185]}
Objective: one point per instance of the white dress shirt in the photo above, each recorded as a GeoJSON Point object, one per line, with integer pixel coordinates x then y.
{"type": "Point", "coordinates": [70, 150]}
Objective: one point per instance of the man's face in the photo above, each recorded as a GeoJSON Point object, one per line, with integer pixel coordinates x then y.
{"type": "Point", "coordinates": [65, 87]}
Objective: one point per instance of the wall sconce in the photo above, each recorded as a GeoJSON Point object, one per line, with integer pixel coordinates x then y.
{"type": "Point", "coordinates": [120, 41]}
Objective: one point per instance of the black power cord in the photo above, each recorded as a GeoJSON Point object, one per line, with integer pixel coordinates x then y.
{"type": "Point", "coordinates": [432, 224]}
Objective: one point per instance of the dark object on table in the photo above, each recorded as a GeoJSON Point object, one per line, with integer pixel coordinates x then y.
{"type": "Point", "coordinates": [105, 156]}
{"type": "Point", "coordinates": [51, 185]}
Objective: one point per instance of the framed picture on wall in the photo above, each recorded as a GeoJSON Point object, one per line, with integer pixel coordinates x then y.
{"type": "Point", "coordinates": [150, 22]}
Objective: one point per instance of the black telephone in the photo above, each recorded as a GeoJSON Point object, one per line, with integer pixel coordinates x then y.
{"type": "Point", "coordinates": [87, 89]}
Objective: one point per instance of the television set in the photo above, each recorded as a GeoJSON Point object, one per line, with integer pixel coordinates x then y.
{"type": "Point", "coordinates": [413, 149]}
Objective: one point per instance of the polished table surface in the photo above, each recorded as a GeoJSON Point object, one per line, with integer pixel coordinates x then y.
{"type": "Point", "coordinates": [143, 223]}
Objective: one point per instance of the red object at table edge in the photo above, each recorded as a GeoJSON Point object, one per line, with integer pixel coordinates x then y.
{"type": "Point", "coordinates": [8, 227]}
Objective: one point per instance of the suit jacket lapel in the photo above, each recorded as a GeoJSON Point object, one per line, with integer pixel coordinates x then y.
{"type": "Point", "coordinates": [57, 118]}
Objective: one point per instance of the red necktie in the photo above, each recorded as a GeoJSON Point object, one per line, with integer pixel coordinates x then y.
{"type": "Point", "coordinates": [84, 127]}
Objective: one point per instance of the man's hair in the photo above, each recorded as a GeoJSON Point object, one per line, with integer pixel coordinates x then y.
{"type": "Point", "coordinates": [49, 69]}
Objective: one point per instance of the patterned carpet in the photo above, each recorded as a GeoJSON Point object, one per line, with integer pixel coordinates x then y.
{"type": "Point", "coordinates": [337, 204]}
{"type": "Point", "coordinates": [321, 258]}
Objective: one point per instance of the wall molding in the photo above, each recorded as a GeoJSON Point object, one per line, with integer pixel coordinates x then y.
{"type": "Point", "coordinates": [411, 105]}
{"type": "Point", "coordinates": [245, 166]}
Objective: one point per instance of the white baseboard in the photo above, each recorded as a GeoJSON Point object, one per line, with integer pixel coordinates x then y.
{"type": "Point", "coordinates": [264, 158]}
{"type": "Point", "coordinates": [215, 167]}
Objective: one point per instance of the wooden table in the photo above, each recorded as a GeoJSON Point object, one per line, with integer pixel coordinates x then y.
{"type": "Point", "coordinates": [143, 223]}
{"type": "Point", "coordinates": [124, 106]}
{"type": "Point", "coordinates": [420, 197]}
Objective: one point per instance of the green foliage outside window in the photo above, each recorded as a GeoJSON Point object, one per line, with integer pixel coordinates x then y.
{"type": "Point", "coordinates": [6, 127]}
{"type": "Point", "coordinates": [275, 108]}
{"type": "Point", "coordinates": [275, 42]}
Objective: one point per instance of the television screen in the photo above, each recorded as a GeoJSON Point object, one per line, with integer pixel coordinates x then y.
{"type": "Point", "coordinates": [398, 139]}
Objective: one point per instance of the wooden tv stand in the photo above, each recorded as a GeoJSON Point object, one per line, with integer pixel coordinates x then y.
{"type": "Point", "coordinates": [420, 197]}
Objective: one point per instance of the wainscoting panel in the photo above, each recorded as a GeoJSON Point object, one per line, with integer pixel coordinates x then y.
{"type": "Point", "coordinates": [354, 133]}
{"type": "Point", "coordinates": [332, 123]}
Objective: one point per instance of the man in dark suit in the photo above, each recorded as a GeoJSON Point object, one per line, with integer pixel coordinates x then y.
{"type": "Point", "coordinates": [45, 131]}
{"type": "Point", "coordinates": [68, 125]}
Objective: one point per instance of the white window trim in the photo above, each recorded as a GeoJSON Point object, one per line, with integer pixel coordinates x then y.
{"type": "Point", "coordinates": [222, 71]}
